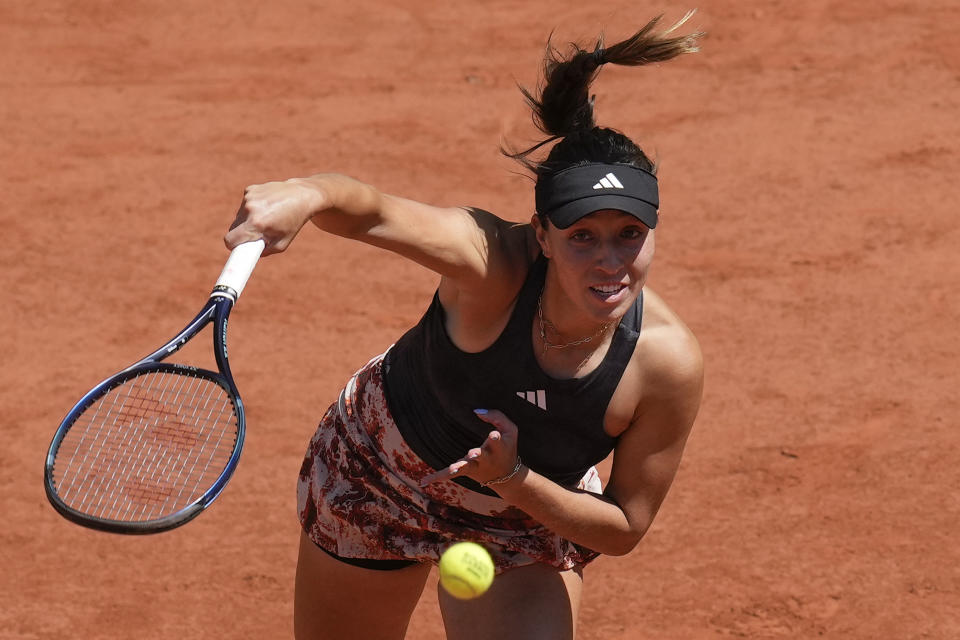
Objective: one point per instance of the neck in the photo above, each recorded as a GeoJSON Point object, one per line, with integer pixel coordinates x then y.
{"type": "Point", "coordinates": [567, 321]}
{"type": "Point", "coordinates": [568, 336]}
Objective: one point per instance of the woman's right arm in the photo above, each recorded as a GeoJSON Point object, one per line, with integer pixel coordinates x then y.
{"type": "Point", "coordinates": [468, 247]}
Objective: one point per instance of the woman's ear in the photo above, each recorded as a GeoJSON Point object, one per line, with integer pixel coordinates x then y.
{"type": "Point", "coordinates": [541, 232]}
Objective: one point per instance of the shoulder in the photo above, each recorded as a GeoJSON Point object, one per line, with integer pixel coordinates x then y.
{"type": "Point", "coordinates": [663, 382]}
{"type": "Point", "coordinates": [477, 308]}
{"type": "Point", "coordinates": [515, 240]}
{"type": "Point", "coordinates": [668, 355]}
{"type": "Point", "coordinates": [507, 250]}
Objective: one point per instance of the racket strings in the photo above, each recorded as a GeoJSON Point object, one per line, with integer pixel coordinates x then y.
{"type": "Point", "coordinates": [147, 448]}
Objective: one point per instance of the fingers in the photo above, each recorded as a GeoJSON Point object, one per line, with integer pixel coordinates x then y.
{"type": "Point", "coordinates": [493, 459]}
{"type": "Point", "coordinates": [242, 229]}
{"type": "Point", "coordinates": [240, 233]}
{"type": "Point", "coordinates": [444, 474]}
{"type": "Point", "coordinates": [496, 418]}
{"type": "Point", "coordinates": [501, 422]}
{"type": "Point", "coordinates": [273, 211]}
{"type": "Point", "coordinates": [469, 464]}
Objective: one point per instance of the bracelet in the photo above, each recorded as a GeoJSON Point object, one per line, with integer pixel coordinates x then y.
{"type": "Point", "coordinates": [506, 478]}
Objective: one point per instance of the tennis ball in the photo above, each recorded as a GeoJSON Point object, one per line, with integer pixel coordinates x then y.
{"type": "Point", "coordinates": [466, 570]}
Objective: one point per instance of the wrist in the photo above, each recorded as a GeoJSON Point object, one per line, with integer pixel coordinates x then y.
{"type": "Point", "coordinates": [517, 471]}
{"type": "Point", "coordinates": [342, 205]}
{"type": "Point", "coordinates": [309, 197]}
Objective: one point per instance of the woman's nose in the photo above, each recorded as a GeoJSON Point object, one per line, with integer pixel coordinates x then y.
{"type": "Point", "coordinates": [610, 260]}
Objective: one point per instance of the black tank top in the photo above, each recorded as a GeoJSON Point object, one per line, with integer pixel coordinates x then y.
{"type": "Point", "coordinates": [432, 388]}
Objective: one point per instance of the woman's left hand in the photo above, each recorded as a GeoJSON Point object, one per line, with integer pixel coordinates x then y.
{"type": "Point", "coordinates": [495, 458]}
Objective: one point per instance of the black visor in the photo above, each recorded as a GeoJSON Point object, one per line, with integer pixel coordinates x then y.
{"type": "Point", "coordinates": [568, 195]}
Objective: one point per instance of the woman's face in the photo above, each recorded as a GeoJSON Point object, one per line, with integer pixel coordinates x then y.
{"type": "Point", "coordinates": [600, 262]}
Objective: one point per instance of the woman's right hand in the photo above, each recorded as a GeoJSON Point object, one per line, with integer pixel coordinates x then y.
{"type": "Point", "coordinates": [275, 211]}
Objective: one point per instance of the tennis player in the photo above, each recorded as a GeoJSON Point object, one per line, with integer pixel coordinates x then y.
{"type": "Point", "coordinates": [541, 353]}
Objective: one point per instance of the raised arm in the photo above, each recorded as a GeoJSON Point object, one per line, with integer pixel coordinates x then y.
{"type": "Point", "coordinates": [465, 246]}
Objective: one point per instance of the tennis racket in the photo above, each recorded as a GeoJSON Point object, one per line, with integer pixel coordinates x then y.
{"type": "Point", "coordinates": [150, 447]}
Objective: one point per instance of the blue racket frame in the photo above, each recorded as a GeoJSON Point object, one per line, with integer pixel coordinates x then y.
{"type": "Point", "coordinates": [217, 311]}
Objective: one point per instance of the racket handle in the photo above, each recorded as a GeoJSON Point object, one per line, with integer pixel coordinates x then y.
{"type": "Point", "coordinates": [239, 266]}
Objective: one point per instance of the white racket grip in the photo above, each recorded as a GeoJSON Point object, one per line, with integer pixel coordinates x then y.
{"type": "Point", "coordinates": [240, 265]}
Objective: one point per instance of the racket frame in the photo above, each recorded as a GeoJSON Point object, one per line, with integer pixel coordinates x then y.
{"type": "Point", "coordinates": [216, 311]}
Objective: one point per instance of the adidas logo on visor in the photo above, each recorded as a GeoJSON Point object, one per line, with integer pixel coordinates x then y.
{"type": "Point", "coordinates": [608, 181]}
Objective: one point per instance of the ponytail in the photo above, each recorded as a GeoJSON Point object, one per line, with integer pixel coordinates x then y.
{"type": "Point", "coordinates": [564, 108]}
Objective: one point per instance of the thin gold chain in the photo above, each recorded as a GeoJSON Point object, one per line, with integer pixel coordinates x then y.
{"type": "Point", "coordinates": [544, 323]}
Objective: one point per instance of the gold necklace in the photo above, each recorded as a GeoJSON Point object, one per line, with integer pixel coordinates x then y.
{"type": "Point", "coordinates": [544, 323]}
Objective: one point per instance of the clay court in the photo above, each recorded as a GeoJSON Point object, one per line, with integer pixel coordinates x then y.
{"type": "Point", "coordinates": [808, 161]}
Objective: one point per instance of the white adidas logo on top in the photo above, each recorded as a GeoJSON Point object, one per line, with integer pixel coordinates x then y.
{"type": "Point", "coordinates": [538, 397]}
{"type": "Point", "coordinates": [608, 181]}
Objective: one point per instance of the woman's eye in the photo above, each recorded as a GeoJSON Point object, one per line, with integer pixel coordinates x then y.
{"type": "Point", "coordinates": [580, 236]}
{"type": "Point", "coordinates": [632, 233]}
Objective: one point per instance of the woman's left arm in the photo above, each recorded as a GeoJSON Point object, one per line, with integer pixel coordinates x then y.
{"type": "Point", "coordinates": [645, 460]}
{"type": "Point", "coordinates": [648, 453]}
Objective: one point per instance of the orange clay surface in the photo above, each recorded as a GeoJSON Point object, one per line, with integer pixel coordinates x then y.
{"type": "Point", "coordinates": [808, 160]}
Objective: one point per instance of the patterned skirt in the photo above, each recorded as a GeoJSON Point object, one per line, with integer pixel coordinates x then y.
{"type": "Point", "coordinates": [359, 494]}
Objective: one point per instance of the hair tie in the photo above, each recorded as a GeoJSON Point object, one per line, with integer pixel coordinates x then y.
{"type": "Point", "coordinates": [598, 56]}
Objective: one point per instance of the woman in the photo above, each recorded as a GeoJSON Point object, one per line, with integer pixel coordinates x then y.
{"type": "Point", "coordinates": [541, 353]}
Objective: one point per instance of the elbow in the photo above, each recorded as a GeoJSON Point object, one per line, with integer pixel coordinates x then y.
{"type": "Point", "coordinates": [624, 543]}
{"type": "Point", "coordinates": [629, 530]}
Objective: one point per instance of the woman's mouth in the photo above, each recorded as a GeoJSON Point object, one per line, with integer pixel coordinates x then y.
{"type": "Point", "coordinates": [607, 291]}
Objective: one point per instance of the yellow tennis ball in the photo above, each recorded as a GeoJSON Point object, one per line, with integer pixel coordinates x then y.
{"type": "Point", "coordinates": [466, 570]}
